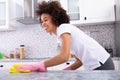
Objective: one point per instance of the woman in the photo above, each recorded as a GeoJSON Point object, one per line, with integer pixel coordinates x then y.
{"type": "Point", "coordinates": [87, 51]}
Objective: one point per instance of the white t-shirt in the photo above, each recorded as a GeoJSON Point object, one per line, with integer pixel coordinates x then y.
{"type": "Point", "coordinates": [84, 47]}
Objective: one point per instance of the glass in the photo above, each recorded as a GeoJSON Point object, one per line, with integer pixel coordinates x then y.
{"type": "Point", "coordinates": [17, 53]}
{"type": "Point", "coordinates": [11, 55]}
{"type": "Point", "coordinates": [73, 9]}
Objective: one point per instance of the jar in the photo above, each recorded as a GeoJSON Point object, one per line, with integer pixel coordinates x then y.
{"type": "Point", "coordinates": [17, 53]}
{"type": "Point", "coordinates": [11, 54]}
{"type": "Point", "coordinates": [22, 50]}
{"type": "Point", "coordinates": [16, 56]}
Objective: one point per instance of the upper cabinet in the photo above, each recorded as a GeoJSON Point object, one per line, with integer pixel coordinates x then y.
{"type": "Point", "coordinates": [73, 9]}
{"type": "Point", "coordinates": [3, 14]}
{"type": "Point", "coordinates": [98, 10]}
{"type": "Point", "coordinates": [80, 11]}
{"type": "Point", "coordinates": [89, 11]}
{"type": "Point", "coordinates": [8, 13]}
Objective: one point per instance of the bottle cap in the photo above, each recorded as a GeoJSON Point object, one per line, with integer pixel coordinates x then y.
{"type": "Point", "coordinates": [22, 45]}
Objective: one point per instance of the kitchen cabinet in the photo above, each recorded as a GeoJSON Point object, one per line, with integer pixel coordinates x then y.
{"type": "Point", "coordinates": [80, 11]}
{"type": "Point", "coordinates": [3, 14]}
{"type": "Point", "coordinates": [8, 12]}
{"type": "Point", "coordinates": [15, 9]}
{"type": "Point", "coordinates": [7, 65]}
{"type": "Point", "coordinates": [89, 11]}
{"type": "Point", "coordinates": [73, 8]}
{"type": "Point", "coordinates": [98, 10]}
{"type": "Point", "coordinates": [64, 65]}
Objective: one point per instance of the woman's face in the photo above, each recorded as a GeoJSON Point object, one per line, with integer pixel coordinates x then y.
{"type": "Point", "coordinates": [47, 23]}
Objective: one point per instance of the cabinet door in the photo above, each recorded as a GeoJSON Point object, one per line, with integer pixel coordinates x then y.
{"type": "Point", "coordinates": [64, 65]}
{"type": "Point", "coordinates": [8, 65]}
{"type": "Point", "coordinates": [3, 14]}
{"type": "Point", "coordinates": [5, 65]}
{"type": "Point", "coordinates": [16, 9]}
{"type": "Point", "coordinates": [60, 67]}
{"type": "Point", "coordinates": [73, 9]}
{"type": "Point", "coordinates": [89, 11]}
{"type": "Point", "coordinates": [98, 10]}
{"type": "Point", "coordinates": [19, 8]}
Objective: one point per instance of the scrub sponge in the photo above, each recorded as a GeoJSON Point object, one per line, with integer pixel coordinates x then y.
{"type": "Point", "coordinates": [14, 70]}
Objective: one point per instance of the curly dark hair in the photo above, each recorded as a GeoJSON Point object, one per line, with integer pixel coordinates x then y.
{"type": "Point", "coordinates": [54, 9]}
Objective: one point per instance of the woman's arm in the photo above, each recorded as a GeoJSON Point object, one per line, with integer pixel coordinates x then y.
{"type": "Point", "coordinates": [75, 65]}
{"type": "Point", "coordinates": [63, 56]}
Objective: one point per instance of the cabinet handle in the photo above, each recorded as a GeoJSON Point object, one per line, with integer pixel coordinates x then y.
{"type": "Point", "coordinates": [85, 18]}
{"type": "Point", "coordinates": [1, 65]}
{"type": "Point", "coordinates": [67, 63]}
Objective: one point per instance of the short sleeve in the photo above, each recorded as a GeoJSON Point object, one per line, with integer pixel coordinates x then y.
{"type": "Point", "coordinates": [64, 28]}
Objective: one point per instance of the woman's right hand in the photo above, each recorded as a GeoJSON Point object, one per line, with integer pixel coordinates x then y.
{"type": "Point", "coordinates": [33, 67]}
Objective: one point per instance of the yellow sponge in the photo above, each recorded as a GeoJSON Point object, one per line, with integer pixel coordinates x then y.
{"type": "Point", "coordinates": [14, 70]}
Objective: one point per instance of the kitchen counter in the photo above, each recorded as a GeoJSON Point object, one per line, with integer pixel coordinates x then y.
{"type": "Point", "coordinates": [22, 60]}
{"type": "Point", "coordinates": [62, 75]}
{"type": "Point", "coordinates": [27, 59]}
{"type": "Point", "coordinates": [39, 59]}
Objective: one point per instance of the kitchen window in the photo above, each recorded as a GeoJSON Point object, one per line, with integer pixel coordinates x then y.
{"type": "Point", "coordinates": [3, 14]}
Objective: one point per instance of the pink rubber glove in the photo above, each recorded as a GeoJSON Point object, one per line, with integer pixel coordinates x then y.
{"type": "Point", "coordinates": [67, 68]}
{"type": "Point", "coordinates": [33, 67]}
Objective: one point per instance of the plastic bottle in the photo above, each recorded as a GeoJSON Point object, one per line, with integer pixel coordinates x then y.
{"type": "Point", "coordinates": [22, 50]}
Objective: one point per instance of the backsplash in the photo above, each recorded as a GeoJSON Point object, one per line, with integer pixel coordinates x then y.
{"type": "Point", "coordinates": [39, 44]}
{"type": "Point", "coordinates": [104, 34]}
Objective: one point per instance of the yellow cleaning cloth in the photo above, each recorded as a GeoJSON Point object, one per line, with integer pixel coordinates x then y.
{"type": "Point", "coordinates": [14, 70]}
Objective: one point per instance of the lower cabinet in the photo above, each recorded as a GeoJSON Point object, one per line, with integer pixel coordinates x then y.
{"type": "Point", "coordinates": [8, 65]}
{"type": "Point", "coordinates": [64, 65]}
